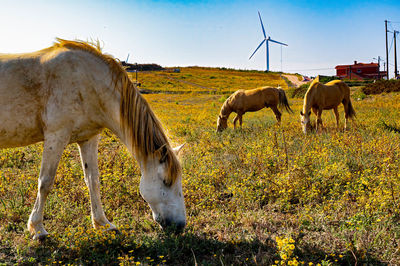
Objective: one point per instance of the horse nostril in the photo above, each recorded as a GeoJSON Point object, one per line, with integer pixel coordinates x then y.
{"type": "Point", "coordinates": [177, 227]}
{"type": "Point", "coordinates": [167, 222]}
{"type": "Point", "coordinates": [180, 226]}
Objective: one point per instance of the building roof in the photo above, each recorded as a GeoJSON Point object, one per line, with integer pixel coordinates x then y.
{"type": "Point", "coordinates": [357, 65]}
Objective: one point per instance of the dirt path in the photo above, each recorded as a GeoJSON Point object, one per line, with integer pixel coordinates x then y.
{"type": "Point", "coordinates": [294, 79]}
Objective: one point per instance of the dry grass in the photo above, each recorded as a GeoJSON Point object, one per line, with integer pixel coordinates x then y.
{"type": "Point", "coordinates": [206, 80]}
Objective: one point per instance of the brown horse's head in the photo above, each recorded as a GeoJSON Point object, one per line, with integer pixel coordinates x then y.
{"type": "Point", "coordinates": [305, 122]}
{"type": "Point", "coordinates": [222, 123]}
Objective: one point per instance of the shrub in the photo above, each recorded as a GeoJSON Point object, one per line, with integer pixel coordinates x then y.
{"type": "Point", "coordinates": [381, 86]}
{"type": "Point", "coordinates": [300, 91]}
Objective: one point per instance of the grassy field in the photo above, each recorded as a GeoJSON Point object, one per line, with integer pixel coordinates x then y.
{"type": "Point", "coordinates": [260, 195]}
{"type": "Point", "coordinates": [206, 80]}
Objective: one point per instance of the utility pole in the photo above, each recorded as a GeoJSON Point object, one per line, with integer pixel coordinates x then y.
{"type": "Point", "coordinates": [350, 72]}
{"type": "Point", "coordinates": [136, 66]}
{"type": "Point", "coordinates": [395, 53]}
{"type": "Point", "coordinates": [379, 66]}
{"type": "Point", "coordinates": [384, 65]}
{"type": "Point", "coordinates": [387, 51]}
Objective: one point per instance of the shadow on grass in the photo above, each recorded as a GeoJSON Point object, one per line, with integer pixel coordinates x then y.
{"type": "Point", "coordinates": [186, 249]}
{"type": "Point", "coordinates": [170, 249]}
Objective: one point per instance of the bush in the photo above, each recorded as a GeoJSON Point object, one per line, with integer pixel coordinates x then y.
{"type": "Point", "coordinates": [381, 86]}
{"type": "Point", "coordinates": [300, 91]}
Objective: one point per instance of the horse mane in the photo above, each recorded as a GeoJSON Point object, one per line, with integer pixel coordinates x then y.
{"type": "Point", "coordinates": [226, 108]}
{"type": "Point", "coordinates": [138, 121]}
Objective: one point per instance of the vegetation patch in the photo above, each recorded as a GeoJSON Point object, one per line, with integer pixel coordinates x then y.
{"type": "Point", "coordinates": [206, 80]}
{"type": "Point", "coordinates": [298, 92]}
{"type": "Point", "coordinates": [381, 86]}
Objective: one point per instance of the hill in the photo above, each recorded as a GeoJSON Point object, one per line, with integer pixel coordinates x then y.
{"type": "Point", "coordinates": [206, 80]}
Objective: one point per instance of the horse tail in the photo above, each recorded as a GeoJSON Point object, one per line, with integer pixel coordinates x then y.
{"type": "Point", "coordinates": [283, 101]}
{"type": "Point", "coordinates": [350, 110]}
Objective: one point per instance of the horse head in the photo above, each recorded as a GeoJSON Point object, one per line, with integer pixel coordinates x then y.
{"type": "Point", "coordinates": [164, 198]}
{"type": "Point", "coordinates": [222, 123]}
{"type": "Point", "coordinates": [305, 122]}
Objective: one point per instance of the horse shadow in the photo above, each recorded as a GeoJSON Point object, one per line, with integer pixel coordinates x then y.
{"type": "Point", "coordinates": [188, 249]}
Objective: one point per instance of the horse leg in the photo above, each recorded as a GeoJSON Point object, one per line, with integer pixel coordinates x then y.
{"type": "Point", "coordinates": [240, 119]}
{"type": "Point", "coordinates": [319, 120]}
{"type": "Point", "coordinates": [346, 111]}
{"type": "Point", "coordinates": [335, 110]}
{"type": "Point", "coordinates": [278, 114]}
{"type": "Point", "coordinates": [53, 148]}
{"type": "Point", "coordinates": [88, 151]}
{"type": "Point", "coordinates": [315, 110]}
{"type": "Point", "coordinates": [235, 120]}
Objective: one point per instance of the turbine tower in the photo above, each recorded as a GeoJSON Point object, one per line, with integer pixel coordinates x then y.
{"type": "Point", "coordinates": [266, 40]}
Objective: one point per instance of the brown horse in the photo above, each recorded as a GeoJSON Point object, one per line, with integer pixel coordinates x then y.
{"type": "Point", "coordinates": [325, 97]}
{"type": "Point", "coordinates": [243, 101]}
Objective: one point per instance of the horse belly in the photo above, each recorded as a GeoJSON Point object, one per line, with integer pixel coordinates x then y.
{"type": "Point", "coordinates": [19, 122]}
{"type": "Point", "coordinates": [254, 108]}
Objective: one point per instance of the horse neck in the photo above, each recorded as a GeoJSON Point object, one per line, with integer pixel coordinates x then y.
{"type": "Point", "coordinates": [306, 105]}
{"type": "Point", "coordinates": [226, 110]}
{"type": "Point", "coordinates": [308, 98]}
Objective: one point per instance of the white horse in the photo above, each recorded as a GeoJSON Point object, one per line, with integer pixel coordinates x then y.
{"type": "Point", "coordinates": [68, 93]}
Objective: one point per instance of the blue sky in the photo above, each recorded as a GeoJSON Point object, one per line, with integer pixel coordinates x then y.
{"type": "Point", "coordinates": [320, 34]}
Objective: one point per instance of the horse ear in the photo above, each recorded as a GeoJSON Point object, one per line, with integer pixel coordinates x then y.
{"type": "Point", "coordinates": [163, 151]}
{"type": "Point", "coordinates": [178, 149]}
{"type": "Point", "coordinates": [316, 80]}
{"type": "Point", "coordinates": [301, 113]}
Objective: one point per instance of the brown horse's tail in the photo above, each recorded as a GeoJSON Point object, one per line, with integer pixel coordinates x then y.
{"type": "Point", "coordinates": [350, 110]}
{"type": "Point", "coordinates": [283, 101]}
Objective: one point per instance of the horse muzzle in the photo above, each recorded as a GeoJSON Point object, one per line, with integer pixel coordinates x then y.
{"type": "Point", "coordinates": [169, 224]}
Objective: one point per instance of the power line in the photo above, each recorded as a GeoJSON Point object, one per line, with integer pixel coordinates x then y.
{"type": "Point", "coordinates": [387, 52]}
{"type": "Point", "coordinates": [313, 69]}
{"type": "Point", "coordinates": [391, 45]}
{"type": "Point", "coordinates": [390, 24]}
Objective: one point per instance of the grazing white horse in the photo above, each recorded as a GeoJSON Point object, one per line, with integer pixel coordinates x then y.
{"type": "Point", "coordinates": [68, 93]}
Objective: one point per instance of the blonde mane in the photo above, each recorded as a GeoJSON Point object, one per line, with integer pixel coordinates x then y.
{"type": "Point", "coordinates": [138, 121]}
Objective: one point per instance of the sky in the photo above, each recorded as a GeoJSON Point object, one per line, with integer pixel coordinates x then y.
{"type": "Point", "coordinates": [319, 34]}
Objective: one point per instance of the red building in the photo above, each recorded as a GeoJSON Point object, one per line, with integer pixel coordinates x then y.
{"type": "Point", "coordinates": [359, 71]}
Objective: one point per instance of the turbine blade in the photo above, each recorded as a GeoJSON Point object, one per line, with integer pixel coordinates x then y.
{"type": "Point", "coordinates": [262, 25]}
{"type": "Point", "coordinates": [281, 43]}
{"type": "Point", "coordinates": [257, 49]}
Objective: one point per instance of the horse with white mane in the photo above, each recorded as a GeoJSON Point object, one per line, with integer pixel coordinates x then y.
{"type": "Point", "coordinates": [243, 101]}
{"type": "Point", "coordinates": [68, 93]}
{"type": "Point", "coordinates": [325, 97]}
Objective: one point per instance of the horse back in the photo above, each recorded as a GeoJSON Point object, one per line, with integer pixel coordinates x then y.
{"type": "Point", "coordinates": [45, 90]}
{"type": "Point", "coordinates": [255, 99]}
{"type": "Point", "coordinates": [329, 95]}
{"type": "Point", "coordinates": [21, 100]}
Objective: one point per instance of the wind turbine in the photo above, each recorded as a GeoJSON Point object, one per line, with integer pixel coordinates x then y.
{"type": "Point", "coordinates": [266, 40]}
